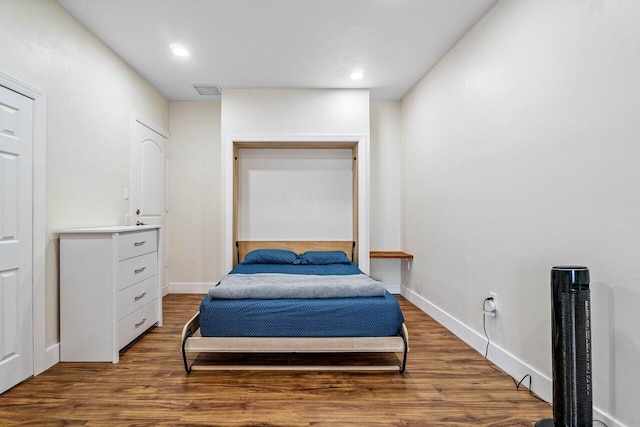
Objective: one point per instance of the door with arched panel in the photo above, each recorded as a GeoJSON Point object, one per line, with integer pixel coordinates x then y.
{"type": "Point", "coordinates": [149, 180]}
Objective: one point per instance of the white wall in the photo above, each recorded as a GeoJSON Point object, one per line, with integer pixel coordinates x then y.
{"type": "Point", "coordinates": [386, 176]}
{"type": "Point", "coordinates": [295, 111]}
{"type": "Point", "coordinates": [521, 150]}
{"type": "Point", "coordinates": [195, 136]}
{"type": "Point", "coordinates": [386, 191]}
{"type": "Point", "coordinates": [194, 232]}
{"type": "Point", "coordinates": [291, 113]}
{"type": "Point", "coordinates": [90, 95]}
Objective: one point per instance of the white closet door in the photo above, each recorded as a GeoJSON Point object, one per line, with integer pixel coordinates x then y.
{"type": "Point", "coordinates": [16, 281]}
{"type": "Point", "coordinates": [149, 178]}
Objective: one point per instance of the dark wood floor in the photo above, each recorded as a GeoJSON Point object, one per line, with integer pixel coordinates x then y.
{"type": "Point", "coordinates": [446, 384]}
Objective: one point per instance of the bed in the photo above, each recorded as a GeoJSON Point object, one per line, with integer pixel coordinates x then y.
{"type": "Point", "coordinates": [302, 302]}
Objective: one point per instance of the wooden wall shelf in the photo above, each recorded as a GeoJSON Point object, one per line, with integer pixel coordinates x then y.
{"type": "Point", "coordinates": [389, 255]}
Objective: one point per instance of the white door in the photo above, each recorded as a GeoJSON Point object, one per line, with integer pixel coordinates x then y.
{"type": "Point", "coordinates": [16, 287]}
{"type": "Point", "coordinates": [149, 173]}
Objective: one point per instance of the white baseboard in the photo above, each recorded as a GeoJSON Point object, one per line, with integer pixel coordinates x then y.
{"type": "Point", "coordinates": [190, 288]}
{"type": "Point", "coordinates": [52, 356]}
{"type": "Point", "coordinates": [459, 329]}
{"type": "Point", "coordinates": [541, 384]}
{"type": "Point", "coordinates": [515, 367]}
{"type": "Point", "coordinates": [165, 289]}
{"type": "Point", "coordinates": [606, 418]}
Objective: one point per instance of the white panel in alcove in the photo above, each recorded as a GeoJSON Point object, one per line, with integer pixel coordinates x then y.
{"type": "Point", "coordinates": [295, 194]}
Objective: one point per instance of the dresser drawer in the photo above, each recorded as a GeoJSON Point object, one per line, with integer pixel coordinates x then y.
{"type": "Point", "coordinates": [135, 296]}
{"type": "Point", "coordinates": [137, 243]}
{"type": "Point", "coordinates": [137, 269]}
{"type": "Point", "coordinates": [130, 327]}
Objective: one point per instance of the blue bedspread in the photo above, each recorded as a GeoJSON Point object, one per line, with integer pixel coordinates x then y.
{"type": "Point", "coordinates": [329, 317]}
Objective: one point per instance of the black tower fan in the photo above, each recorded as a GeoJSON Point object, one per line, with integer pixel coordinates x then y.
{"type": "Point", "coordinates": [571, 346]}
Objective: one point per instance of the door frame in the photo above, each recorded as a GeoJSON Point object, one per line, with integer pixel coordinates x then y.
{"type": "Point", "coordinates": [43, 357]}
{"type": "Point", "coordinates": [164, 231]}
{"type": "Point", "coordinates": [358, 142]}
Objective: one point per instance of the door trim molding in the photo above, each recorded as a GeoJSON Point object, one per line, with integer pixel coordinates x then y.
{"type": "Point", "coordinates": [41, 360]}
{"type": "Point", "coordinates": [137, 117]}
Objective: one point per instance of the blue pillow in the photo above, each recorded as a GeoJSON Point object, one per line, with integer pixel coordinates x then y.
{"type": "Point", "coordinates": [324, 257]}
{"type": "Point", "coordinates": [270, 256]}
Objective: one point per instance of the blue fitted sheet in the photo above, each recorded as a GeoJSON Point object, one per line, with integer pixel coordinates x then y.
{"type": "Point", "coordinates": [326, 317]}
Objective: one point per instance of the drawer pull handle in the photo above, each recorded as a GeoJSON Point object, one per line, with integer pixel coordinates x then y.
{"type": "Point", "coordinates": [140, 296]}
{"type": "Point", "coordinates": [139, 243]}
{"type": "Point", "coordinates": [137, 325]}
{"type": "Point", "coordinates": [140, 270]}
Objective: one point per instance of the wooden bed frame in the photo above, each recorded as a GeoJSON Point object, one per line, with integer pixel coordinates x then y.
{"type": "Point", "coordinates": [243, 247]}
{"type": "Point", "coordinates": [193, 342]}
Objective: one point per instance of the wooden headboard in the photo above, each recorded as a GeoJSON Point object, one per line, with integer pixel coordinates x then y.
{"type": "Point", "coordinates": [243, 247]}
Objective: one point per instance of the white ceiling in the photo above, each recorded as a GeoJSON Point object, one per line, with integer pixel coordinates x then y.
{"type": "Point", "coordinates": [280, 43]}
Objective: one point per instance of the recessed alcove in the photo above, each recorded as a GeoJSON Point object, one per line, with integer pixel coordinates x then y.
{"type": "Point", "coordinates": [358, 221]}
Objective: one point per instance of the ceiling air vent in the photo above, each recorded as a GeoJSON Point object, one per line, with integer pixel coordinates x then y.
{"type": "Point", "coordinates": [208, 90]}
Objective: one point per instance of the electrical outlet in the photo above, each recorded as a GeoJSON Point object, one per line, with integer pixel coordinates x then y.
{"type": "Point", "coordinates": [490, 306]}
{"type": "Point", "coordinates": [495, 298]}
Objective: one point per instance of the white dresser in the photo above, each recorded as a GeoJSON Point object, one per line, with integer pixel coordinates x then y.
{"type": "Point", "coordinates": [110, 289]}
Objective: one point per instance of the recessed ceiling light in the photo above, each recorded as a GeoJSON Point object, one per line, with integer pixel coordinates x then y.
{"type": "Point", "coordinates": [178, 49]}
{"type": "Point", "coordinates": [357, 74]}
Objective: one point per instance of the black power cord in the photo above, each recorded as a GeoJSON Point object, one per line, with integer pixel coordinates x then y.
{"type": "Point", "coordinates": [500, 371]}
{"type": "Point", "coordinates": [493, 366]}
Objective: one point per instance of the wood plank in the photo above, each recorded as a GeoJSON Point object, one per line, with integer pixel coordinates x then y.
{"type": "Point", "coordinates": [329, 145]}
{"type": "Point", "coordinates": [297, 246]}
{"type": "Point", "coordinates": [447, 383]}
{"type": "Point", "coordinates": [354, 203]}
{"type": "Point", "coordinates": [390, 254]}
{"type": "Point", "coordinates": [236, 184]}
{"type": "Point", "coordinates": [295, 345]}
{"type": "Point", "coordinates": [315, 368]}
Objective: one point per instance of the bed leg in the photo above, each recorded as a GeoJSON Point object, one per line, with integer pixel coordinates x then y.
{"type": "Point", "coordinates": [403, 367]}
{"type": "Point", "coordinates": [404, 358]}
{"type": "Point", "coordinates": [184, 353]}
